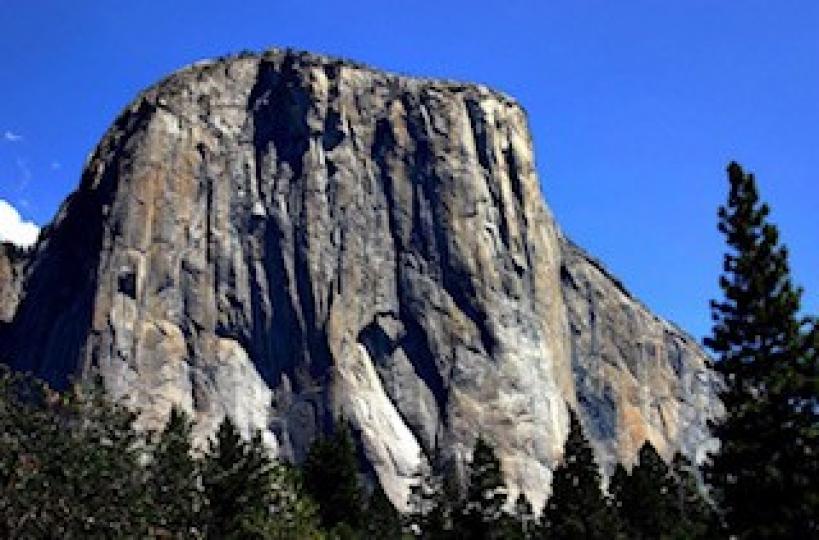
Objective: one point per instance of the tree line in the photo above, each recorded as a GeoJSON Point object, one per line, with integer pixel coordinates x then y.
{"type": "Point", "coordinates": [73, 465]}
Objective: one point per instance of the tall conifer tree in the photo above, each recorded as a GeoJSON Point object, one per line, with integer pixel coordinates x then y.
{"type": "Point", "coordinates": [237, 477]}
{"type": "Point", "coordinates": [522, 524]}
{"type": "Point", "coordinates": [435, 500]}
{"type": "Point", "coordinates": [423, 502]}
{"type": "Point", "coordinates": [694, 516]}
{"type": "Point", "coordinates": [767, 354]}
{"type": "Point", "coordinates": [173, 479]}
{"type": "Point", "coordinates": [331, 479]}
{"type": "Point", "coordinates": [482, 515]}
{"type": "Point", "coordinates": [382, 519]}
{"type": "Point", "coordinates": [577, 507]}
{"type": "Point", "coordinates": [645, 498]}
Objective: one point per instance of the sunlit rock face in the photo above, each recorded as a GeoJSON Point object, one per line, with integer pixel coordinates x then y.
{"type": "Point", "coordinates": [637, 377]}
{"type": "Point", "coordinates": [12, 265]}
{"type": "Point", "coordinates": [289, 238]}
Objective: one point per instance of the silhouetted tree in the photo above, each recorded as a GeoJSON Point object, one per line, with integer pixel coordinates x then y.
{"type": "Point", "coordinates": [764, 472]}
{"type": "Point", "coordinates": [645, 499]}
{"type": "Point", "coordinates": [424, 493]}
{"type": "Point", "coordinates": [331, 479]}
{"type": "Point", "coordinates": [292, 515]}
{"type": "Point", "coordinates": [694, 517]}
{"type": "Point", "coordinates": [383, 520]}
{"type": "Point", "coordinates": [521, 524]}
{"type": "Point", "coordinates": [577, 507]}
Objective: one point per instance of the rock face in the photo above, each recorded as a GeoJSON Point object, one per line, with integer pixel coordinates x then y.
{"type": "Point", "coordinates": [287, 238]}
{"type": "Point", "coordinates": [12, 264]}
{"type": "Point", "coordinates": [637, 377]}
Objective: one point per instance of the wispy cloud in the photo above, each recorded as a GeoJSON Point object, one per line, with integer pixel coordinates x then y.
{"type": "Point", "coordinates": [56, 165]}
{"type": "Point", "coordinates": [25, 173]}
{"type": "Point", "coordinates": [10, 136]}
{"type": "Point", "coordinates": [14, 229]}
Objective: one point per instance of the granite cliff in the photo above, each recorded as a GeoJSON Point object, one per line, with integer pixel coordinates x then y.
{"type": "Point", "coordinates": [12, 262]}
{"type": "Point", "coordinates": [287, 238]}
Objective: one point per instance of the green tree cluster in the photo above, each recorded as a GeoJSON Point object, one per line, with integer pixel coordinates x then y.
{"type": "Point", "coordinates": [69, 464]}
{"type": "Point", "coordinates": [73, 465]}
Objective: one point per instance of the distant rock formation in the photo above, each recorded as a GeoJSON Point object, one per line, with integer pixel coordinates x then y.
{"type": "Point", "coordinates": [12, 262]}
{"type": "Point", "coordinates": [287, 238]}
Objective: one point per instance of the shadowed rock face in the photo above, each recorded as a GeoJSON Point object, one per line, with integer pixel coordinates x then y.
{"type": "Point", "coordinates": [287, 238]}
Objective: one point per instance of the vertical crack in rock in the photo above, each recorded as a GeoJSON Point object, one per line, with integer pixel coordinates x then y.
{"type": "Point", "coordinates": [483, 147]}
{"type": "Point", "coordinates": [412, 341]}
{"type": "Point", "coordinates": [456, 279]}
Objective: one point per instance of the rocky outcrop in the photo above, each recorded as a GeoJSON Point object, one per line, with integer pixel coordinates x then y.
{"type": "Point", "coordinates": [287, 238]}
{"type": "Point", "coordinates": [12, 263]}
{"type": "Point", "coordinates": [637, 377]}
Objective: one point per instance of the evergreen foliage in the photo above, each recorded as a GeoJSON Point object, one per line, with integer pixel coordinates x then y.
{"type": "Point", "coordinates": [435, 501]}
{"type": "Point", "coordinates": [383, 520]}
{"type": "Point", "coordinates": [694, 516]}
{"type": "Point", "coordinates": [577, 507]}
{"type": "Point", "coordinates": [331, 479]}
{"type": "Point", "coordinates": [237, 479]}
{"type": "Point", "coordinates": [521, 524]}
{"type": "Point", "coordinates": [294, 514]}
{"type": "Point", "coordinates": [645, 499]}
{"type": "Point", "coordinates": [424, 513]}
{"type": "Point", "coordinates": [618, 487]}
{"type": "Point", "coordinates": [70, 464]}
{"type": "Point", "coordinates": [764, 473]}
{"type": "Point", "coordinates": [73, 465]}
{"type": "Point", "coordinates": [173, 479]}
{"type": "Point", "coordinates": [482, 515]}
{"type": "Point", "coordinates": [658, 502]}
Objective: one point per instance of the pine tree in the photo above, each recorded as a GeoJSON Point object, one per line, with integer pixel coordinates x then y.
{"type": "Point", "coordinates": [482, 515]}
{"type": "Point", "coordinates": [435, 500]}
{"type": "Point", "coordinates": [645, 499]}
{"type": "Point", "coordinates": [694, 516]}
{"type": "Point", "coordinates": [448, 501]}
{"type": "Point", "coordinates": [293, 515]}
{"type": "Point", "coordinates": [577, 507]}
{"type": "Point", "coordinates": [521, 524]}
{"type": "Point", "coordinates": [767, 356]}
{"type": "Point", "coordinates": [617, 493]}
{"type": "Point", "coordinates": [173, 479]}
{"type": "Point", "coordinates": [331, 479]}
{"type": "Point", "coordinates": [30, 440]}
{"type": "Point", "coordinates": [99, 456]}
{"type": "Point", "coordinates": [237, 480]}
{"type": "Point", "coordinates": [383, 520]}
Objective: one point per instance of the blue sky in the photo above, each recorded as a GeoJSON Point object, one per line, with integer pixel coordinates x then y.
{"type": "Point", "coordinates": [635, 106]}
